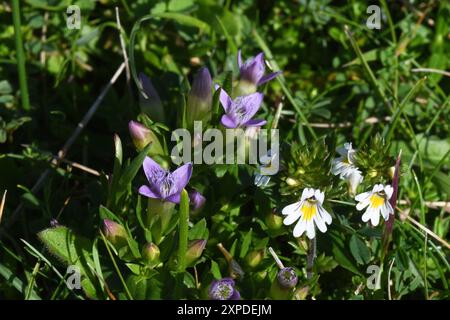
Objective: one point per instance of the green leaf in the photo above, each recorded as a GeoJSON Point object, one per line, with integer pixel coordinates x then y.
{"type": "Point", "coordinates": [341, 257]}
{"type": "Point", "coordinates": [72, 250]}
{"type": "Point", "coordinates": [246, 243]}
{"type": "Point", "coordinates": [199, 231]}
{"type": "Point", "coordinates": [131, 170]}
{"type": "Point", "coordinates": [215, 270]}
{"type": "Point", "coordinates": [359, 250]}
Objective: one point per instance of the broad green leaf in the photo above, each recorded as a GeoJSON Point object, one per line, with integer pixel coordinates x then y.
{"type": "Point", "coordinates": [359, 250]}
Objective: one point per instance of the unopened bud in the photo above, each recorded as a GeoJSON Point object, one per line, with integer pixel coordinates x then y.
{"type": "Point", "coordinates": [195, 251]}
{"type": "Point", "coordinates": [274, 221]}
{"type": "Point", "coordinates": [254, 258]}
{"type": "Point", "coordinates": [114, 232]}
{"type": "Point", "coordinates": [142, 136]}
{"type": "Point", "coordinates": [199, 101]}
{"type": "Point", "coordinates": [150, 253]}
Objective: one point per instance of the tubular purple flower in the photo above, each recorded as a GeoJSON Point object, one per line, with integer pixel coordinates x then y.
{"type": "Point", "coordinates": [163, 184]}
{"type": "Point", "coordinates": [240, 111]}
{"type": "Point", "coordinates": [142, 136]}
{"type": "Point", "coordinates": [197, 200]}
{"type": "Point", "coordinates": [252, 70]}
{"type": "Point", "coordinates": [149, 100]}
{"type": "Point", "coordinates": [223, 290]}
{"type": "Point", "coordinates": [199, 101]}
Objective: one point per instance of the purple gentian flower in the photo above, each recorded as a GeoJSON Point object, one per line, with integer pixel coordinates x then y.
{"type": "Point", "coordinates": [239, 112]}
{"type": "Point", "coordinates": [253, 70]}
{"type": "Point", "coordinates": [223, 290]}
{"type": "Point", "coordinates": [163, 184]}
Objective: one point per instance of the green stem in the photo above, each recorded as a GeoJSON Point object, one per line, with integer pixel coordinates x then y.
{"type": "Point", "coordinates": [116, 267]}
{"type": "Point", "coordinates": [184, 220]}
{"type": "Point", "coordinates": [20, 56]}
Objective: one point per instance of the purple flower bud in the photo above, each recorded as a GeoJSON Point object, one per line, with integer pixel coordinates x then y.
{"type": "Point", "coordinates": [114, 232]}
{"type": "Point", "coordinates": [195, 251]}
{"type": "Point", "coordinates": [197, 200]}
{"type": "Point", "coordinates": [223, 290]}
{"type": "Point", "coordinates": [150, 253]}
{"type": "Point", "coordinates": [287, 278]}
{"type": "Point", "coordinates": [149, 100]}
{"type": "Point", "coordinates": [199, 101]}
{"type": "Point", "coordinates": [142, 136]}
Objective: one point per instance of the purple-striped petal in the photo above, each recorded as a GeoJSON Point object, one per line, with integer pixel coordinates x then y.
{"type": "Point", "coordinates": [251, 104]}
{"type": "Point", "coordinates": [152, 169]}
{"type": "Point", "coordinates": [175, 198]}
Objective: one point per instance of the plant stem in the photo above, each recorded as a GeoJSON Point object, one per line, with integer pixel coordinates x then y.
{"type": "Point", "coordinates": [183, 224]}
{"type": "Point", "coordinates": [311, 257]}
{"type": "Point", "coordinates": [20, 56]}
{"type": "Point", "coordinates": [127, 291]}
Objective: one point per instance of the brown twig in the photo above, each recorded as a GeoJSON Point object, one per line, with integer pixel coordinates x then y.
{"type": "Point", "coordinates": [63, 152]}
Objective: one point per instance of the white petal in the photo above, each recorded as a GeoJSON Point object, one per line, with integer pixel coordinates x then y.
{"type": "Point", "coordinates": [389, 191]}
{"type": "Point", "coordinates": [362, 196]}
{"type": "Point", "coordinates": [377, 188]}
{"type": "Point", "coordinates": [375, 218]}
{"type": "Point", "coordinates": [292, 217]}
{"type": "Point", "coordinates": [389, 209]}
{"type": "Point", "coordinates": [310, 231]}
{"type": "Point", "coordinates": [367, 215]}
{"type": "Point", "coordinates": [320, 223]}
{"type": "Point", "coordinates": [320, 196]}
{"type": "Point", "coordinates": [325, 215]}
{"type": "Point", "coordinates": [361, 205]}
{"type": "Point", "coordinates": [291, 208]}
{"type": "Point", "coordinates": [307, 193]}
{"type": "Point", "coordinates": [300, 227]}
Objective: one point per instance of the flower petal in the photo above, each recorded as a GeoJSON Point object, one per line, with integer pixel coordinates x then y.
{"type": "Point", "coordinates": [224, 98]}
{"type": "Point", "coordinates": [182, 176]}
{"type": "Point", "coordinates": [269, 77]}
{"type": "Point", "coordinates": [290, 209]}
{"type": "Point", "coordinates": [146, 191]}
{"type": "Point", "coordinates": [255, 123]}
{"type": "Point", "coordinates": [320, 223]}
{"type": "Point", "coordinates": [389, 191]}
{"type": "Point", "coordinates": [174, 198]}
{"type": "Point", "coordinates": [292, 217]}
{"type": "Point", "coordinates": [239, 58]}
{"type": "Point", "coordinates": [300, 228]}
{"type": "Point", "coordinates": [228, 122]}
{"type": "Point", "coordinates": [152, 169]}
{"type": "Point", "coordinates": [325, 215]}
{"type": "Point", "coordinates": [363, 196]}
{"type": "Point", "coordinates": [319, 195]}
{"type": "Point", "coordinates": [375, 218]}
{"type": "Point", "coordinates": [310, 230]}
{"type": "Point", "coordinates": [307, 193]}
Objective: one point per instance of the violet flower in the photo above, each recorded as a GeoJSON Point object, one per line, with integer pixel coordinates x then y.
{"type": "Point", "coordinates": [163, 184]}
{"type": "Point", "coordinates": [253, 69]}
{"type": "Point", "coordinates": [223, 290]}
{"type": "Point", "coordinates": [239, 112]}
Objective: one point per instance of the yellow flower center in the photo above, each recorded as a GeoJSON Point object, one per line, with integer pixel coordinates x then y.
{"type": "Point", "coordinates": [309, 209]}
{"type": "Point", "coordinates": [376, 200]}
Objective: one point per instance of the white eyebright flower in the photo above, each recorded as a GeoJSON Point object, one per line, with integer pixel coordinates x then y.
{"type": "Point", "coordinates": [344, 166]}
{"type": "Point", "coordinates": [377, 202]}
{"type": "Point", "coordinates": [309, 212]}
